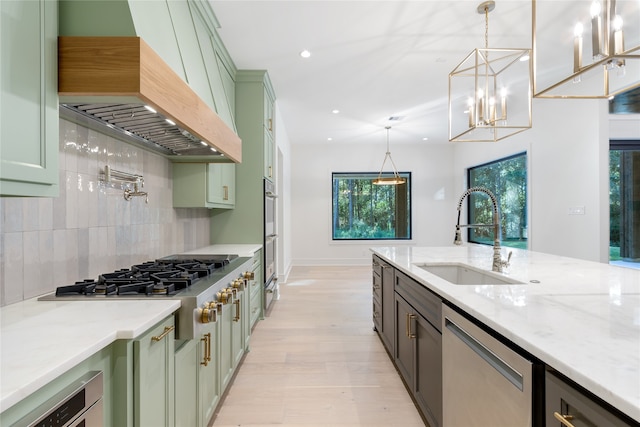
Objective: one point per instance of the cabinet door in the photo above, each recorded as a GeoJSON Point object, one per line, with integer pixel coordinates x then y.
{"type": "Point", "coordinates": [225, 318]}
{"type": "Point", "coordinates": [387, 293]}
{"type": "Point", "coordinates": [237, 329]}
{"type": "Point", "coordinates": [405, 336]}
{"type": "Point", "coordinates": [28, 98]}
{"type": "Point", "coordinates": [221, 179]}
{"type": "Point", "coordinates": [186, 371]}
{"type": "Point", "coordinates": [208, 382]}
{"type": "Point", "coordinates": [154, 376]}
{"type": "Point", "coordinates": [428, 371]}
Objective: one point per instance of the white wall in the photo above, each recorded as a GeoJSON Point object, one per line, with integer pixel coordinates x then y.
{"type": "Point", "coordinates": [433, 213]}
{"type": "Point", "coordinates": [568, 167]}
{"type": "Point", "coordinates": [283, 189]}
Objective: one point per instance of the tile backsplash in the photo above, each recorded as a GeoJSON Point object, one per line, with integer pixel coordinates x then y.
{"type": "Point", "coordinates": [90, 228]}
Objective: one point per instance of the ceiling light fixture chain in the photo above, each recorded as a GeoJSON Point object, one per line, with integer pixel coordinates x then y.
{"type": "Point", "coordinates": [396, 179]}
{"type": "Point", "coordinates": [484, 85]}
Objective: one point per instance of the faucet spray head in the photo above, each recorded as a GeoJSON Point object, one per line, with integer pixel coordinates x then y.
{"type": "Point", "coordinates": [458, 239]}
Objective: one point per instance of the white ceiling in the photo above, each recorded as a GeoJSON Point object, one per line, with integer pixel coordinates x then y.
{"type": "Point", "coordinates": [370, 60]}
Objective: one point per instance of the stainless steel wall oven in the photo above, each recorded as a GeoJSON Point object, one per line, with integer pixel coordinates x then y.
{"type": "Point", "coordinates": [269, 244]}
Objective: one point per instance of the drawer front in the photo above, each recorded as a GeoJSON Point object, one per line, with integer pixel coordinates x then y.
{"type": "Point", "coordinates": [423, 300]}
{"type": "Point", "coordinates": [377, 314]}
{"type": "Point", "coordinates": [565, 401]}
{"type": "Point", "coordinates": [377, 287]}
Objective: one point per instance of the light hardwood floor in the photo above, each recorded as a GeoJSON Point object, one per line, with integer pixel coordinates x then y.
{"type": "Point", "coordinates": [316, 361]}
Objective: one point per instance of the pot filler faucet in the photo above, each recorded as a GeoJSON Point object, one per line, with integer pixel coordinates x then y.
{"type": "Point", "coordinates": [498, 263]}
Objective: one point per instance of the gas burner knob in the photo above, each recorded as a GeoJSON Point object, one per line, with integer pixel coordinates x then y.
{"type": "Point", "coordinates": [237, 284]}
{"type": "Point", "coordinates": [233, 291]}
{"type": "Point", "coordinates": [248, 275]}
{"type": "Point", "coordinates": [207, 314]}
{"type": "Point", "coordinates": [223, 296]}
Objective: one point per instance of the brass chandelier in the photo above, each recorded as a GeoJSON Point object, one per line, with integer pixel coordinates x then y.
{"type": "Point", "coordinates": [395, 179]}
{"type": "Point", "coordinates": [490, 91]}
{"type": "Point", "coordinates": [586, 49]}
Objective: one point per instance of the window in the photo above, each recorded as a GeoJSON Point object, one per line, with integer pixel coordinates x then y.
{"type": "Point", "coordinates": [363, 211]}
{"type": "Point", "coordinates": [624, 203]}
{"type": "Point", "coordinates": [507, 180]}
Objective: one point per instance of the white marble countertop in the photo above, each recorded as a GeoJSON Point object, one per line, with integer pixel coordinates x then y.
{"type": "Point", "coordinates": [582, 318]}
{"type": "Point", "coordinates": [244, 250]}
{"type": "Point", "coordinates": [76, 329]}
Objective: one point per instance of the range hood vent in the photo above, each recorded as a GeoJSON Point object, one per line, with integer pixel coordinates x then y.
{"type": "Point", "coordinates": [121, 84]}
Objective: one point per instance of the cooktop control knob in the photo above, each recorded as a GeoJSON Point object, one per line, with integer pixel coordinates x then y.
{"type": "Point", "coordinates": [207, 314]}
{"type": "Point", "coordinates": [248, 275]}
{"type": "Point", "coordinates": [238, 284]}
{"type": "Point", "coordinates": [223, 296]}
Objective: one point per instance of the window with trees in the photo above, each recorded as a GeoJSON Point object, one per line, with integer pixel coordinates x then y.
{"type": "Point", "coordinates": [507, 180]}
{"type": "Point", "coordinates": [624, 202]}
{"type": "Point", "coordinates": [364, 211]}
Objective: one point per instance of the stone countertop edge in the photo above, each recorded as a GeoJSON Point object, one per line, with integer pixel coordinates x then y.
{"type": "Point", "coordinates": [54, 324]}
{"type": "Point", "coordinates": [582, 318]}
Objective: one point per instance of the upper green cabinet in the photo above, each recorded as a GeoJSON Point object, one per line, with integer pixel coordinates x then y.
{"type": "Point", "coordinates": [28, 98]}
{"type": "Point", "coordinates": [204, 185]}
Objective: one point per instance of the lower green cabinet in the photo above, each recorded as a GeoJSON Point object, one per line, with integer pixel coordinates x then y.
{"type": "Point", "coordinates": [208, 381]}
{"type": "Point", "coordinates": [153, 376]}
{"type": "Point", "coordinates": [255, 291]}
{"type": "Point", "coordinates": [204, 185]}
{"type": "Point", "coordinates": [186, 371]}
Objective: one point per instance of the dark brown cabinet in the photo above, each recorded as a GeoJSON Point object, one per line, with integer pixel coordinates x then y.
{"type": "Point", "coordinates": [418, 345]}
{"type": "Point", "coordinates": [566, 406]}
{"type": "Point", "coordinates": [383, 319]}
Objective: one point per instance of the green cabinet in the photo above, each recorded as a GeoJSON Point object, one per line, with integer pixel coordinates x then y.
{"type": "Point", "coordinates": [28, 98]}
{"type": "Point", "coordinates": [153, 376]}
{"type": "Point", "coordinates": [186, 395]}
{"type": "Point", "coordinates": [209, 391]}
{"type": "Point", "coordinates": [245, 224]}
{"type": "Point", "coordinates": [204, 185]}
{"type": "Point", "coordinates": [255, 292]}
{"type": "Point", "coordinates": [269, 133]}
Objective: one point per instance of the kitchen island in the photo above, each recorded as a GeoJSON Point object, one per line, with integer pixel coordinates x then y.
{"type": "Point", "coordinates": [580, 318]}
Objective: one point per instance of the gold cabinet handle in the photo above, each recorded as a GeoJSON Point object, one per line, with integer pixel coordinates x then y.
{"type": "Point", "coordinates": [564, 419]}
{"type": "Point", "coordinates": [225, 189]}
{"type": "Point", "coordinates": [270, 171]}
{"type": "Point", "coordinates": [207, 349]}
{"type": "Point", "coordinates": [270, 121]}
{"type": "Point", "coordinates": [167, 330]}
{"type": "Point", "coordinates": [237, 303]}
{"type": "Point", "coordinates": [408, 326]}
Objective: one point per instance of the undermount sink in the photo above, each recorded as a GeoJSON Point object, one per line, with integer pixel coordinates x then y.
{"type": "Point", "coordinates": [462, 274]}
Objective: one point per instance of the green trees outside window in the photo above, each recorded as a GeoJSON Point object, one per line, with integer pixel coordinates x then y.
{"type": "Point", "coordinates": [624, 201]}
{"type": "Point", "coordinates": [364, 211]}
{"type": "Point", "coordinates": [507, 179]}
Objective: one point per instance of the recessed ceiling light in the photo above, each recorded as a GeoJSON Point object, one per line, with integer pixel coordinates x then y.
{"type": "Point", "coordinates": [305, 53]}
{"type": "Point", "coordinates": [329, 139]}
{"type": "Point", "coordinates": [335, 111]}
{"type": "Point", "coordinates": [425, 139]}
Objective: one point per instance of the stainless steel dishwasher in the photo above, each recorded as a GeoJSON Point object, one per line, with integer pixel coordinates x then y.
{"type": "Point", "coordinates": [485, 383]}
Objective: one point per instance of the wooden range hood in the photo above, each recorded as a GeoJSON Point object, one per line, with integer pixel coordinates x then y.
{"type": "Point", "coordinates": [111, 79]}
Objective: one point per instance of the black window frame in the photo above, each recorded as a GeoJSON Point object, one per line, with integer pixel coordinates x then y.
{"type": "Point", "coordinates": [470, 199]}
{"type": "Point", "coordinates": [374, 175]}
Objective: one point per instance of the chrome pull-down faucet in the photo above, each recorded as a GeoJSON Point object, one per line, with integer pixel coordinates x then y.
{"type": "Point", "coordinates": [498, 263]}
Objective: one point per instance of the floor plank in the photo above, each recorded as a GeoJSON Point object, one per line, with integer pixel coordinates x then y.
{"type": "Point", "coordinates": [316, 361]}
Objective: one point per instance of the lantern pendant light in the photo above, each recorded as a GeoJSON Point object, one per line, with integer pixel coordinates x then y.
{"type": "Point", "coordinates": [396, 179]}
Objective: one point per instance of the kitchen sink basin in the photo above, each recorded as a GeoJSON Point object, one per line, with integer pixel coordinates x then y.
{"type": "Point", "coordinates": [462, 274]}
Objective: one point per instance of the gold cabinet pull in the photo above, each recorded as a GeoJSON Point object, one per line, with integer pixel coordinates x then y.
{"type": "Point", "coordinates": [237, 303]}
{"type": "Point", "coordinates": [167, 330]}
{"type": "Point", "coordinates": [564, 419]}
{"type": "Point", "coordinates": [408, 326]}
{"type": "Point", "coordinates": [270, 121]}
{"type": "Point", "coordinates": [207, 349]}
{"type": "Point", "coordinates": [225, 189]}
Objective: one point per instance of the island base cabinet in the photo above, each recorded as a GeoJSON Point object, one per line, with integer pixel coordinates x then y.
{"type": "Point", "coordinates": [565, 402]}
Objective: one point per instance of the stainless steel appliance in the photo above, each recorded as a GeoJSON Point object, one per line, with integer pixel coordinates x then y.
{"type": "Point", "coordinates": [270, 240]}
{"type": "Point", "coordinates": [194, 279]}
{"type": "Point", "coordinates": [485, 383]}
{"type": "Point", "coordinates": [77, 405]}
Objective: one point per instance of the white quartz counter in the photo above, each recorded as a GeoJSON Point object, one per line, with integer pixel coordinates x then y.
{"type": "Point", "coordinates": [243, 250]}
{"type": "Point", "coordinates": [582, 318]}
{"type": "Point", "coordinates": [76, 330]}
{"type": "Point", "coordinates": [41, 340]}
